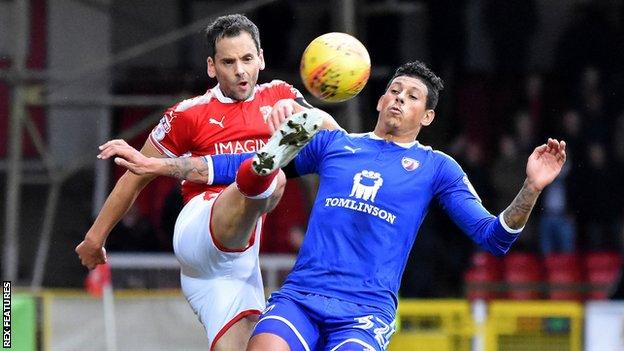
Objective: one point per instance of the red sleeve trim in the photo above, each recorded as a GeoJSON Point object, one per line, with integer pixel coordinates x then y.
{"type": "Point", "coordinates": [229, 324]}
{"type": "Point", "coordinates": [220, 245]}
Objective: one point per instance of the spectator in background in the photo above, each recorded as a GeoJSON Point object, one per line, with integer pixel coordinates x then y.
{"type": "Point", "coordinates": [506, 175]}
{"type": "Point", "coordinates": [595, 113]}
{"type": "Point", "coordinates": [472, 158]}
{"type": "Point", "coordinates": [571, 132]}
{"type": "Point", "coordinates": [599, 203]}
{"type": "Point", "coordinates": [562, 202]}
{"type": "Point", "coordinates": [505, 172]}
{"type": "Point", "coordinates": [525, 132]}
{"type": "Point", "coordinates": [557, 229]}
{"type": "Point", "coordinates": [534, 102]}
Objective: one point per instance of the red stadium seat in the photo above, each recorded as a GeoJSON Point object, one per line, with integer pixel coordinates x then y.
{"type": "Point", "coordinates": [606, 260]}
{"type": "Point", "coordinates": [523, 260]}
{"type": "Point", "coordinates": [601, 282]}
{"type": "Point", "coordinates": [481, 284]}
{"type": "Point", "coordinates": [483, 279]}
{"type": "Point", "coordinates": [489, 262]}
{"type": "Point", "coordinates": [523, 275]}
{"type": "Point", "coordinates": [603, 269]}
{"type": "Point", "coordinates": [559, 261]}
{"type": "Point", "coordinates": [565, 284]}
{"type": "Point", "coordinates": [564, 276]}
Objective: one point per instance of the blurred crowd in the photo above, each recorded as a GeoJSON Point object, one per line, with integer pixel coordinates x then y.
{"type": "Point", "coordinates": [578, 101]}
{"type": "Point", "coordinates": [506, 112]}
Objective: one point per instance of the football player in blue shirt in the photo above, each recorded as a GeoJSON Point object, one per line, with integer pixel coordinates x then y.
{"type": "Point", "coordinates": [374, 192]}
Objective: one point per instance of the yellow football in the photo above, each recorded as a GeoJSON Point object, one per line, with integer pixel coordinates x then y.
{"type": "Point", "coordinates": [335, 67]}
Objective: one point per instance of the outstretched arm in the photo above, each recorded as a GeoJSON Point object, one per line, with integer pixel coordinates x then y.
{"type": "Point", "coordinates": [195, 169]}
{"type": "Point", "coordinates": [91, 250]}
{"type": "Point", "coordinates": [543, 166]}
{"type": "Point", "coordinates": [497, 234]}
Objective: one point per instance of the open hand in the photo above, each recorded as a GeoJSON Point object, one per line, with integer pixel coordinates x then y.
{"type": "Point", "coordinates": [127, 156]}
{"type": "Point", "coordinates": [545, 163]}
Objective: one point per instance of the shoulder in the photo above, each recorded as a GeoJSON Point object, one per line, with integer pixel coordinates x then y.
{"type": "Point", "coordinates": [274, 84]}
{"type": "Point", "coordinates": [325, 138]}
{"type": "Point", "coordinates": [442, 157]}
{"type": "Point", "coordinates": [357, 135]}
{"type": "Point", "coordinates": [440, 162]}
{"type": "Point", "coordinates": [279, 87]}
{"type": "Point", "coordinates": [333, 134]}
{"type": "Point", "coordinates": [193, 103]}
{"type": "Point", "coordinates": [446, 166]}
{"type": "Point", "coordinates": [437, 156]}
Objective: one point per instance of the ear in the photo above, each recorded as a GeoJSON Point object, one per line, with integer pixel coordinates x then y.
{"type": "Point", "coordinates": [210, 67]}
{"type": "Point", "coordinates": [261, 57]}
{"type": "Point", "coordinates": [429, 116]}
{"type": "Point", "coordinates": [378, 108]}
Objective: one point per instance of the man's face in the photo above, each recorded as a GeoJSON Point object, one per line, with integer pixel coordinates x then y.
{"type": "Point", "coordinates": [236, 65]}
{"type": "Point", "coordinates": [402, 109]}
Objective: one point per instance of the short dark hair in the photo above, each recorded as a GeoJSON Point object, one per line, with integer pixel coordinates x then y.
{"type": "Point", "coordinates": [419, 70]}
{"type": "Point", "coordinates": [230, 26]}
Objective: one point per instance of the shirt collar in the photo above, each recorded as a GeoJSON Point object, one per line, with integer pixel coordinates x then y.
{"type": "Point", "coordinates": [226, 100]}
{"type": "Point", "coordinates": [374, 136]}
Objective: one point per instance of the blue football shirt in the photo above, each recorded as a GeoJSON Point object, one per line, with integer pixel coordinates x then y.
{"type": "Point", "coordinates": [373, 196]}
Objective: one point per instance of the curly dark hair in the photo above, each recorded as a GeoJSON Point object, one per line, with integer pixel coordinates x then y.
{"type": "Point", "coordinates": [419, 70]}
{"type": "Point", "coordinates": [230, 26]}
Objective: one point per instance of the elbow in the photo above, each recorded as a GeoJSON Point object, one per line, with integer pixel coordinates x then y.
{"type": "Point", "coordinates": [497, 248]}
{"type": "Point", "coordinates": [496, 239]}
{"type": "Point", "coordinates": [498, 252]}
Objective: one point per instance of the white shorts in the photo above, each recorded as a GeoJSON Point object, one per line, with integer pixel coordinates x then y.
{"type": "Point", "coordinates": [222, 286]}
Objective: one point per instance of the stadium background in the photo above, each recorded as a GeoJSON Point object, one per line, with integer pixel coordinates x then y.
{"type": "Point", "coordinates": [74, 73]}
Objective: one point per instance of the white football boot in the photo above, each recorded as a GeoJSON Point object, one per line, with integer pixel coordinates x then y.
{"type": "Point", "coordinates": [286, 142]}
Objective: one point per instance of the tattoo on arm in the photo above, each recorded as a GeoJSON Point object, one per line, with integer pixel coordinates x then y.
{"type": "Point", "coordinates": [193, 169]}
{"type": "Point", "coordinates": [517, 214]}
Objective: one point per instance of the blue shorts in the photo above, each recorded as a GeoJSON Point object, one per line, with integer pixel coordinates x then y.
{"type": "Point", "coordinates": [309, 322]}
